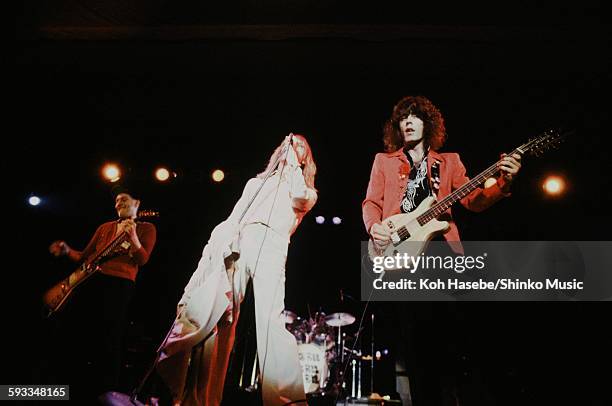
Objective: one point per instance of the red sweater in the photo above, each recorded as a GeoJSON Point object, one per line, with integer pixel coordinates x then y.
{"type": "Point", "coordinates": [125, 263]}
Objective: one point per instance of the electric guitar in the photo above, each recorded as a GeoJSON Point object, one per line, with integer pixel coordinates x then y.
{"type": "Point", "coordinates": [411, 232]}
{"type": "Point", "coordinates": [56, 297]}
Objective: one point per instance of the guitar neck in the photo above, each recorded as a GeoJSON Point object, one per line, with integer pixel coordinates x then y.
{"type": "Point", "coordinates": [444, 204]}
{"type": "Point", "coordinates": [119, 239]}
{"type": "Point", "coordinates": [108, 249]}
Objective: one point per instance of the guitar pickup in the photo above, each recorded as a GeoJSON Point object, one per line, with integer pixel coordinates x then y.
{"type": "Point", "coordinates": [400, 235]}
{"type": "Point", "coordinates": [125, 245]}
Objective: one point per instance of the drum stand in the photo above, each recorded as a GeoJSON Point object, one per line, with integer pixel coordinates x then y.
{"type": "Point", "coordinates": [372, 361]}
{"type": "Point", "coordinates": [356, 386]}
{"type": "Point", "coordinates": [356, 369]}
{"type": "Point", "coordinates": [340, 344]}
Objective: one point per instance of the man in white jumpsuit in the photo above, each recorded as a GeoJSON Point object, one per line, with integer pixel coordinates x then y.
{"type": "Point", "coordinates": [247, 245]}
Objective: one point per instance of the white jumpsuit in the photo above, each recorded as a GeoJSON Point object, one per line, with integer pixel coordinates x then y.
{"type": "Point", "coordinates": [261, 241]}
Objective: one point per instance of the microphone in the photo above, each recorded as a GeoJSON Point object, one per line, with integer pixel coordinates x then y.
{"type": "Point", "coordinates": [286, 147]}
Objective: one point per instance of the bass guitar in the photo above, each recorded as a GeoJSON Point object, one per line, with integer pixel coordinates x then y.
{"type": "Point", "coordinates": [411, 232]}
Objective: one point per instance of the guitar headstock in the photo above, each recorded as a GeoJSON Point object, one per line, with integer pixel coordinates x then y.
{"type": "Point", "coordinates": [147, 214]}
{"type": "Point", "coordinates": [550, 139]}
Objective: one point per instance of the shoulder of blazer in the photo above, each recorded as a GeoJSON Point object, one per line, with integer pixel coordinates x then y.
{"type": "Point", "coordinates": [448, 157]}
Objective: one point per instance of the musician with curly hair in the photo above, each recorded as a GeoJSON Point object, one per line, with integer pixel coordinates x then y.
{"type": "Point", "coordinates": [410, 170]}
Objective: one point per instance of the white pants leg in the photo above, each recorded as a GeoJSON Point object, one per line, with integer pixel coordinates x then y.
{"type": "Point", "coordinates": [276, 347]}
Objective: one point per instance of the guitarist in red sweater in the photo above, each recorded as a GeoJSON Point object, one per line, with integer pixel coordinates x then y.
{"type": "Point", "coordinates": [93, 324]}
{"type": "Point", "coordinates": [407, 172]}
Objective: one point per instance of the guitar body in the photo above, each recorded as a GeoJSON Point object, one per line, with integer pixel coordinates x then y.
{"type": "Point", "coordinates": [407, 235]}
{"type": "Point", "coordinates": [56, 297]}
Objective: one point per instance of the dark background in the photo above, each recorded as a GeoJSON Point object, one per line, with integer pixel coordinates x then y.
{"type": "Point", "coordinates": [198, 87]}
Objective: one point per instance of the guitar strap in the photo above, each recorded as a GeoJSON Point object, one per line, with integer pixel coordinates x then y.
{"type": "Point", "coordinates": [434, 178]}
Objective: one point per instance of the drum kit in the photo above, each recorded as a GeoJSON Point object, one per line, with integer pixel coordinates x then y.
{"type": "Point", "coordinates": [323, 352]}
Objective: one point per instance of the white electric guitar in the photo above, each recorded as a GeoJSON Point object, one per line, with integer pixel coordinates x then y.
{"type": "Point", "coordinates": [411, 232]}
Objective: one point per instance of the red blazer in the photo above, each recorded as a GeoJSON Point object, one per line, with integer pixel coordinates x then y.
{"type": "Point", "coordinates": [388, 185]}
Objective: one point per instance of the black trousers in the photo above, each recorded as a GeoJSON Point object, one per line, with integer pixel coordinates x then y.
{"type": "Point", "coordinates": [89, 337]}
{"type": "Point", "coordinates": [427, 344]}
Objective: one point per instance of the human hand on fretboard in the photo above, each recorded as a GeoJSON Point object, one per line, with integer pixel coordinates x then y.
{"type": "Point", "coordinates": [509, 165]}
{"type": "Point", "coordinates": [128, 226]}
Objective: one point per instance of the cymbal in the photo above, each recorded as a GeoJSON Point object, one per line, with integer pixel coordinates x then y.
{"type": "Point", "coordinates": [339, 319]}
{"type": "Point", "coordinates": [288, 316]}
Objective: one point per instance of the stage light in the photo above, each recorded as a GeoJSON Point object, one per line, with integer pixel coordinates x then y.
{"type": "Point", "coordinates": [162, 174]}
{"type": "Point", "coordinates": [34, 200]}
{"type": "Point", "coordinates": [320, 219]}
{"type": "Point", "coordinates": [554, 185]}
{"type": "Point", "coordinates": [218, 175]}
{"type": "Point", "coordinates": [336, 220]}
{"type": "Point", "coordinates": [111, 172]}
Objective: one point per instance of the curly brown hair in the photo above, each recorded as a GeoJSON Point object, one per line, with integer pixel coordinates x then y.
{"type": "Point", "coordinates": [434, 131]}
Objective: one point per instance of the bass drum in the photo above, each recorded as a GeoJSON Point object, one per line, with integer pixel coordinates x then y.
{"type": "Point", "coordinates": [315, 371]}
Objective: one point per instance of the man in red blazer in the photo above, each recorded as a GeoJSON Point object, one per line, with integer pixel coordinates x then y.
{"type": "Point", "coordinates": [409, 170]}
{"type": "Point", "coordinates": [402, 176]}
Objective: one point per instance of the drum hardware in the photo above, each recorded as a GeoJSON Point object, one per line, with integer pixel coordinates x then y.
{"type": "Point", "coordinates": [372, 361]}
{"type": "Point", "coordinates": [356, 386]}
{"type": "Point", "coordinates": [339, 320]}
{"type": "Point", "coordinates": [355, 360]}
{"type": "Point", "coordinates": [324, 354]}
{"type": "Point", "coordinates": [328, 355]}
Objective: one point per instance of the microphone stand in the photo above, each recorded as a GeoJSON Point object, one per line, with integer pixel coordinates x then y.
{"type": "Point", "coordinates": [272, 168]}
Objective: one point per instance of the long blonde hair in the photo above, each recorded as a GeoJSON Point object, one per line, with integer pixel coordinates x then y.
{"type": "Point", "coordinates": [309, 168]}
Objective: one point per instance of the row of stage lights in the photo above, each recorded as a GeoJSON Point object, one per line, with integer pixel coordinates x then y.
{"type": "Point", "coordinates": [553, 186]}
{"type": "Point", "coordinates": [112, 173]}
